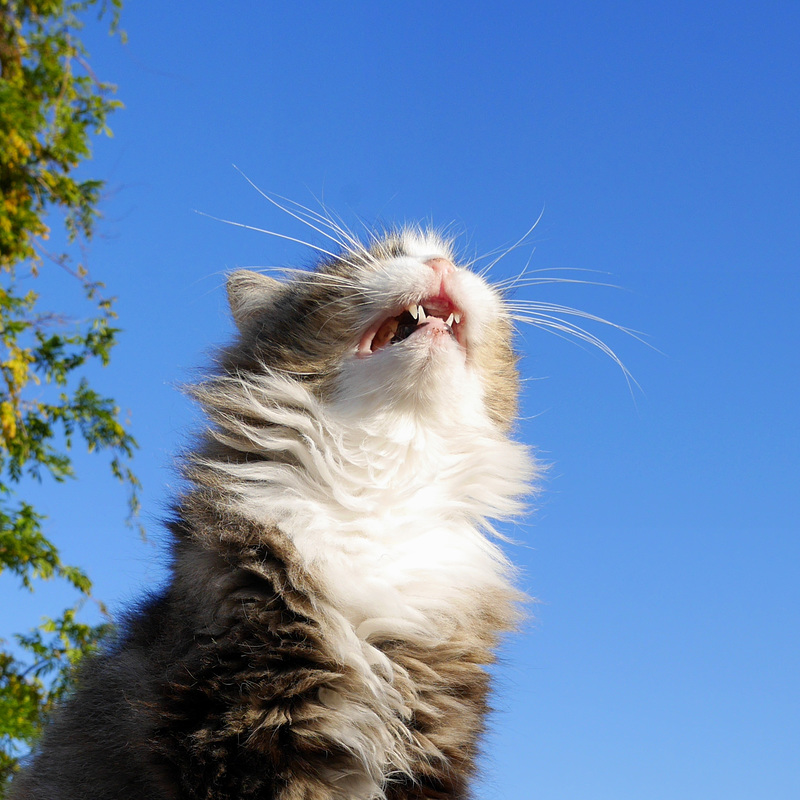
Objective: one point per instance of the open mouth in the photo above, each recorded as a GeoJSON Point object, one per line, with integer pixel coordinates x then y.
{"type": "Point", "coordinates": [439, 312]}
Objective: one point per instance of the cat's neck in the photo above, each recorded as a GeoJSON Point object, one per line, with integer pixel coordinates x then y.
{"type": "Point", "coordinates": [398, 460]}
{"type": "Point", "coordinates": [391, 512]}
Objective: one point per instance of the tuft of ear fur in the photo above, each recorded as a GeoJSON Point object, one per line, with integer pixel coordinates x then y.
{"type": "Point", "coordinates": [249, 293]}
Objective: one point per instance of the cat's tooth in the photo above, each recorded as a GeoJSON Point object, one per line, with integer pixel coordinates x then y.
{"type": "Point", "coordinates": [422, 314]}
{"type": "Point", "coordinates": [457, 318]}
{"type": "Point", "coordinates": [413, 309]}
{"type": "Point", "coordinates": [449, 320]}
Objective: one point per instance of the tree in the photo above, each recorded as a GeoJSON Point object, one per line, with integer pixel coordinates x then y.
{"type": "Point", "coordinates": [51, 103]}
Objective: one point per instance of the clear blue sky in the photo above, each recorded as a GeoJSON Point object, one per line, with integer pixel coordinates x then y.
{"type": "Point", "coordinates": [662, 141]}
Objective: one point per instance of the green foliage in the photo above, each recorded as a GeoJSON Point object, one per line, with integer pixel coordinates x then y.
{"type": "Point", "coordinates": [28, 691]}
{"type": "Point", "coordinates": [51, 104]}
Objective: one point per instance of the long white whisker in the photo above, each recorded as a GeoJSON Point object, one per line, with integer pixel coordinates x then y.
{"type": "Point", "coordinates": [337, 225]}
{"type": "Point", "coordinates": [508, 285]}
{"type": "Point", "coordinates": [538, 305]}
{"type": "Point", "coordinates": [304, 219]}
{"type": "Point", "coordinates": [542, 276]}
{"type": "Point", "coordinates": [270, 233]}
{"type": "Point", "coordinates": [533, 309]}
{"type": "Point", "coordinates": [328, 279]}
{"type": "Point", "coordinates": [565, 329]}
{"type": "Point", "coordinates": [358, 302]}
{"type": "Point", "coordinates": [528, 282]}
{"type": "Point", "coordinates": [514, 246]}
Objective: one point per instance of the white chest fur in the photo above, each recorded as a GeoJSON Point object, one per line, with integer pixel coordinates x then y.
{"type": "Point", "coordinates": [392, 515]}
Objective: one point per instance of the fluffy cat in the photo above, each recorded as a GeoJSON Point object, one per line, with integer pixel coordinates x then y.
{"type": "Point", "coordinates": [335, 591]}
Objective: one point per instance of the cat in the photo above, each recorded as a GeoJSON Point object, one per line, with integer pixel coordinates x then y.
{"type": "Point", "coordinates": [336, 589]}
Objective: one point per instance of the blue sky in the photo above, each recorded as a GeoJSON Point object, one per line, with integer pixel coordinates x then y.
{"type": "Point", "coordinates": [660, 141]}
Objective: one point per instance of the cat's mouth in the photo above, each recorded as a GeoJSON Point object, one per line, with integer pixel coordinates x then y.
{"type": "Point", "coordinates": [435, 313]}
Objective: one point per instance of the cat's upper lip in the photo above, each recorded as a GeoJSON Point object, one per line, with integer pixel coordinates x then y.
{"type": "Point", "coordinates": [404, 321]}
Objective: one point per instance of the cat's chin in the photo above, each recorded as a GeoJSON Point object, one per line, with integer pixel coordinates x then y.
{"type": "Point", "coordinates": [427, 374]}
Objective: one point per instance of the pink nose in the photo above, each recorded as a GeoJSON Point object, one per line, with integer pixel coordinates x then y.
{"type": "Point", "coordinates": [441, 266]}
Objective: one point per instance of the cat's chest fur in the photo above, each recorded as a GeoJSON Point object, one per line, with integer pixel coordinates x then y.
{"type": "Point", "coordinates": [390, 512]}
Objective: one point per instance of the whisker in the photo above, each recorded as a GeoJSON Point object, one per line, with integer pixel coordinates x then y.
{"type": "Point", "coordinates": [551, 309]}
{"type": "Point", "coordinates": [566, 330]}
{"type": "Point", "coordinates": [513, 247]}
{"type": "Point", "coordinates": [539, 277]}
{"type": "Point", "coordinates": [336, 224]}
{"type": "Point", "coordinates": [354, 300]}
{"type": "Point", "coordinates": [305, 219]}
{"type": "Point", "coordinates": [270, 233]}
{"type": "Point", "coordinates": [346, 241]}
{"type": "Point", "coordinates": [508, 285]}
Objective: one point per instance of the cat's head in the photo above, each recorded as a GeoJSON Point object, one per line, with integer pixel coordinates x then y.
{"type": "Point", "coordinates": [395, 324]}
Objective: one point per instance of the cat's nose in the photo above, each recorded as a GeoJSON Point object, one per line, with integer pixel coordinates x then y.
{"type": "Point", "coordinates": [441, 266]}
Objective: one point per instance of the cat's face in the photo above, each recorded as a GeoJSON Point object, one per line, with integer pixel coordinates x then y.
{"type": "Point", "coordinates": [399, 324]}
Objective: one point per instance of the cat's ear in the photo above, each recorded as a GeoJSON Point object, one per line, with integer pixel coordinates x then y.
{"type": "Point", "coordinates": [249, 293]}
